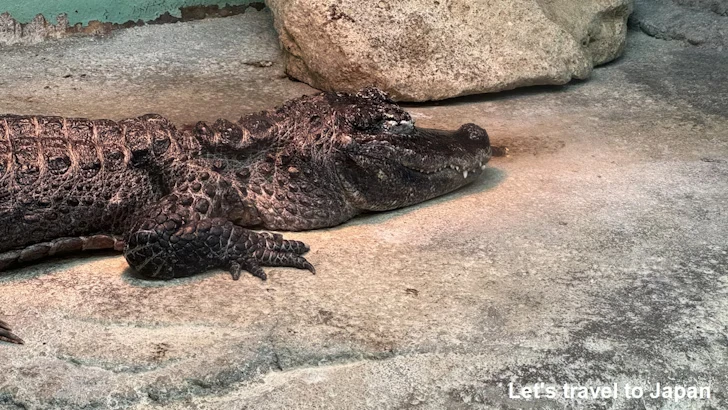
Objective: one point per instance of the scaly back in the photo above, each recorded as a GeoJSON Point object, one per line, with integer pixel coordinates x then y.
{"type": "Point", "coordinates": [69, 176]}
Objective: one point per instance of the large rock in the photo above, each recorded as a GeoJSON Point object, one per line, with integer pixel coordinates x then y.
{"type": "Point", "coordinates": [420, 50]}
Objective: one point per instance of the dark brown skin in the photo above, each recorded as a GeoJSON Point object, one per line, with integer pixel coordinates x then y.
{"type": "Point", "coordinates": [181, 202]}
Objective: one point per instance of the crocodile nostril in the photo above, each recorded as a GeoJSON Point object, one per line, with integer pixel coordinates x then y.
{"type": "Point", "coordinates": [474, 132]}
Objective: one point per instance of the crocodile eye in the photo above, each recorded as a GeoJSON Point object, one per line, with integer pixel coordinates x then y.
{"type": "Point", "coordinates": [398, 127]}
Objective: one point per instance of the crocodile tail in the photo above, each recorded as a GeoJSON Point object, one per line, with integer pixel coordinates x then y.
{"type": "Point", "coordinates": [57, 247]}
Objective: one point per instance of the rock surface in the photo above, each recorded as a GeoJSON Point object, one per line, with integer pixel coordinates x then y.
{"type": "Point", "coordinates": [697, 22]}
{"type": "Point", "coordinates": [420, 50]}
{"type": "Point", "coordinates": [596, 253]}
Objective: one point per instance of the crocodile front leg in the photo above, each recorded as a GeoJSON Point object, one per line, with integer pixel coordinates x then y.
{"type": "Point", "coordinates": [173, 240]}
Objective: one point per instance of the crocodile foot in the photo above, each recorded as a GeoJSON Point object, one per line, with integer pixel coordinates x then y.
{"type": "Point", "coordinates": [165, 247]}
{"type": "Point", "coordinates": [7, 336]}
{"type": "Point", "coordinates": [267, 249]}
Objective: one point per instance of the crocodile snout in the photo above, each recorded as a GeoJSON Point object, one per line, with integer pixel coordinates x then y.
{"type": "Point", "coordinates": [474, 133]}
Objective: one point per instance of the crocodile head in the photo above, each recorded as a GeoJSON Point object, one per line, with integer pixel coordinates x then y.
{"type": "Point", "coordinates": [385, 162]}
{"type": "Point", "coordinates": [318, 160]}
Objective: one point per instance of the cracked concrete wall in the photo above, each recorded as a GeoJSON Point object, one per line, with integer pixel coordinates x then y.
{"type": "Point", "coordinates": [83, 11]}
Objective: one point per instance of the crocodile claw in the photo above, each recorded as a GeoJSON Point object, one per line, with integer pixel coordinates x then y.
{"type": "Point", "coordinates": [269, 258]}
{"type": "Point", "coordinates": [7, 336]}
{"type": "Point", "coordinates": [267, 249]}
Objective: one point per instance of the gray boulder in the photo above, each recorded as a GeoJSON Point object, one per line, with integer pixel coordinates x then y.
{"type": "Point", "coordinates": [419, 50]}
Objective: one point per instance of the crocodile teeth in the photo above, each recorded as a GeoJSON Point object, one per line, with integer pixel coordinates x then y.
{"type": "Point", "coordinates": [465, 174]}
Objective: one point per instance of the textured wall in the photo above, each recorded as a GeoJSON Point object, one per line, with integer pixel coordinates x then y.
{"type": "Point", "coordinates": [114, 11]}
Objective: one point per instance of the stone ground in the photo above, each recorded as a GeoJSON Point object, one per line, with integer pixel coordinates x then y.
{"type": "Point", "coordinates": [702, 23]}
{"type": "Point", "coordinates": [596, 253]}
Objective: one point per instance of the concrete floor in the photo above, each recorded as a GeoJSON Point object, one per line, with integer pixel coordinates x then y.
{"type": "Point", "coordinates": [596, 253]}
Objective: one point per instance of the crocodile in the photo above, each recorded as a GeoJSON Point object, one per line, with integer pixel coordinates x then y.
{"type": "Point", "coordinates": [178, 202]}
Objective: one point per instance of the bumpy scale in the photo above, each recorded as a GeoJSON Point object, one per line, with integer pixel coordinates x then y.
{"type": "Point", "coordinates": [181, 202]}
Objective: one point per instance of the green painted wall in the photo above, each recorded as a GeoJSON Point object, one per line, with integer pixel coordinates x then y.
{"type": "Point", "coordinates": [114, 11]}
